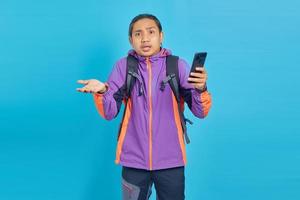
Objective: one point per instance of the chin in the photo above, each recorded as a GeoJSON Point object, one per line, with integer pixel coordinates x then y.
{"type": "Point", "coordinates": [146, 54]}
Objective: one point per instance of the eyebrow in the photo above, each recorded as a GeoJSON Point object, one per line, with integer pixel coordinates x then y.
{"type": "Point", "coordinates": [139, 30]}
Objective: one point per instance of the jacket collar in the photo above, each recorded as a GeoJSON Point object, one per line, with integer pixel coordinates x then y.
{"type": "Point", "coordinates": [161, 54]}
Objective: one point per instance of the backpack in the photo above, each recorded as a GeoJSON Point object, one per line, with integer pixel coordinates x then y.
{"type": "Point", "coordinates": [172, 77]}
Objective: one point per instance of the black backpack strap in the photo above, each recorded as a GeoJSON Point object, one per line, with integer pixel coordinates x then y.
{"type": "Point", "coordinates": [173, 80]}
{"type": "Point", "coordinates": [131, 73]}
{"type": "Point", "coordinates": [132, 69]}
{"type": "Point", "coordinates": [172, 73]}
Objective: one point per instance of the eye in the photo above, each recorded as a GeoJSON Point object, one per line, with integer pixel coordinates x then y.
{"type": "Point", "coordinates": [137, 34]}
{"type": "Point", "coordinates": [152, 31]}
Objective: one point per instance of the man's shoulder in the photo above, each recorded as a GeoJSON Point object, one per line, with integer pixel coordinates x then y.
{"type": "Point", "coordinates": [120, 64]}
{"type": "Point", "coordinates": [181, 60]}
{"type": "Point", "coordinates": [182, 63]}
{"type": "Point", "coordinates": [183, 66]}
{"type": "Point", "coordinates": [121, 61]}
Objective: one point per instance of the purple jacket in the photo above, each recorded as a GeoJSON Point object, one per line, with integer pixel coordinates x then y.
{"type": "Point", "coordinates": [151, 136]}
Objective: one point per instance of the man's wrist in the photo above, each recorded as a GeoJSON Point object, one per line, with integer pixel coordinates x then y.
{"type": "Point", "coordinates": [103, 91]}
{"type": "Point", "coordinates": [202, 89]}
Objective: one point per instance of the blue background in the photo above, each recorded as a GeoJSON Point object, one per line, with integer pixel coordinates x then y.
{"type": "Point", "coordinates": [53, 143]}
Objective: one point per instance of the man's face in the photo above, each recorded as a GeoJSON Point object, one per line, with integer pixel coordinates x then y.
{"type": "Point", "coordinates": [146, 38]}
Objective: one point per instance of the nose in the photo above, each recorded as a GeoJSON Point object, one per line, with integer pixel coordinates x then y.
{"type": "Point", "coordinates": [145, 38]}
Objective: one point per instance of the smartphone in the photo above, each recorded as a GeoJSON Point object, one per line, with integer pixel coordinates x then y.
{"type": "Point", "coordinates": [199, 60]}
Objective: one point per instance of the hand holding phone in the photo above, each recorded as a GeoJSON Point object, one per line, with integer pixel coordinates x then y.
{"type": "Point", "coordinates": [198, 61]}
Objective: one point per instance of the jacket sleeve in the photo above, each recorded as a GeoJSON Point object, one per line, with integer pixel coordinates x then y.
{"type": "Point", "coordinates": [109, 103]}
{"type": "Point", "coordinates": [199, 102]}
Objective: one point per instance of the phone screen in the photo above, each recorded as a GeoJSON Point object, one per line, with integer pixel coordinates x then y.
{"type": "Point", "coordinates": [199, 60]}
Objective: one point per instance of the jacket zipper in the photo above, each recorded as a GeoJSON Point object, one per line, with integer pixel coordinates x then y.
{"type": "Point", "coordinates": [150, 110]}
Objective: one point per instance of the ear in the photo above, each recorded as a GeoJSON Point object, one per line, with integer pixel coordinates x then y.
{"type": "Point", "coordinates": [130, 40]}
{"type": "Point", "coordinates": [161, 35]}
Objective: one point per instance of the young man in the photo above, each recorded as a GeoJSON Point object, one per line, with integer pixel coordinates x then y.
{"type": "Point", "coordinates": [151, 145]}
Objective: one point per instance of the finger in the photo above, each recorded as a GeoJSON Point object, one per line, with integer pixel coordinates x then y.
{"type": "Point", "coordinates": [200, 75]}
{"type": "Point", "coordinates": [196, 80]}
{"type": "Point", "coordinates": [200, 69]}
{"type": "Point", "coordinates": [83, 81]}
{"type": "Point", "coordinates": [79, 89]}
{"type": "Point", "coordinates": [85, 89]}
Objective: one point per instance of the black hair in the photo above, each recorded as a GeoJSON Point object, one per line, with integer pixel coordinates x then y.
{"type": "Point", "coordinates": [143, 16]}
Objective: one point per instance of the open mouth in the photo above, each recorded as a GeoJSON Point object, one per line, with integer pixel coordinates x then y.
{"type": "Point", "coordinates": [146, 48]}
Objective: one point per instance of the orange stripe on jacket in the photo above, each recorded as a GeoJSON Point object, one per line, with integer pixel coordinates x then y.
{"type": "Point", "coordinates": [123, 131]}
{"type": "Point", "coordinates": [182, 104]}
{"type": "Point", "coordinates": [205, 100]}
{"type": "Point", "coordinates": [98, 99]}
{"type": "Point", "coordinates": [150, 113]}
{"type": "Point", "coordinates": [179, 127]}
